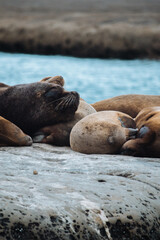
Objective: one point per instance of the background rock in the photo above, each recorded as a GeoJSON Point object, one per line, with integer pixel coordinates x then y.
{"type": "Point", "coordinates": [104, 29]}
{"type": "Point", "coordinates": [51, 192]}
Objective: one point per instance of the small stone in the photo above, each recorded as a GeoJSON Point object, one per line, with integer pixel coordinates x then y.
{"type": "Point", "coordinates": [35, 172]}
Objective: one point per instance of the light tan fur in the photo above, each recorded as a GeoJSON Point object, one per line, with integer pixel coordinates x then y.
{"type": "Point", "coordinates": [102, 132]}
{"type": "Point", "coordinates": [11, 135]}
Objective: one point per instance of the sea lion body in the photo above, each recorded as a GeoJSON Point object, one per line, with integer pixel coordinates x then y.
{"type": "Point", "coordinates": [147, 143]}
{"type": "Point", "coordinates": [130, 104]}
{"type": "Point", "coordinates": [33, 106]}
{"type": "Point", "coordinates": [58, 134]}
{"type": "Point", "coordinates": [3, 87]}
{"type": "Point", "coordinates": [102, 132]}
{"type": "Point", "coordinates": [11, 135]}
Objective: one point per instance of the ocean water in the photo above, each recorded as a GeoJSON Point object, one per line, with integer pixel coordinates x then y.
{"type": "Point", "coordinates": [94, 79]}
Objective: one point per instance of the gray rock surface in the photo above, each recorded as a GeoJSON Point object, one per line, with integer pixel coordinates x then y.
{"type": "Point", "coordinates": [54, 193]}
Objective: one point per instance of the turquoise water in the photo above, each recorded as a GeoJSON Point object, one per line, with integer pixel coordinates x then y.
{"type": "Point", "coordinates": [94, 79]}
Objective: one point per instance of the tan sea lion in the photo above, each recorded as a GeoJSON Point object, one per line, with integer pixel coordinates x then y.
{"type": "Point", "coordinates": [130, 104]}
{"type": "Point", "coordinates": [33, 106]}
{"type": "Point", "coordinates": [147, 143]}
{"type": "Point", "coordinates": [11, 135]}
{"type": "Point", "coordinates": [58, 134]}
{"type": "Point", "coordinates": [3, 87]}
{"type": "Point", "coordinates": [102, 132]}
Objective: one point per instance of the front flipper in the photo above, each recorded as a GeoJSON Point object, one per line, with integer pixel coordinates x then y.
{"type": "Point", "coordinates": [11, 135]}
{"type": "Point", "coordinates": [139, 147]}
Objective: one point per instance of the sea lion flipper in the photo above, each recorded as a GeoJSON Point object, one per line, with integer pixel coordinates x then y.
{"type": "Point", "coordinates": [38, 137]}
{"type": "Point", "coordinates": [11, 135]}
{"type": "Point", "coordinates": [132, 132]}
{"type": "Point", "coordinates": [127, 121]}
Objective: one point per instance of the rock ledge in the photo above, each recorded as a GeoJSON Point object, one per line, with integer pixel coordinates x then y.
{"type": "Point", "coordinates": [54, 193]}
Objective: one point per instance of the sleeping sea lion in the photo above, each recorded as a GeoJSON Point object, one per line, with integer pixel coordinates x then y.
{"type": "Point", "coordinates": [147, 143]}
{"type": "Point", "coordinates": [33, 106]}
{"type": "Point", "coordinates": [102, 132]}
{"type": "Point", "coordinates": [130, 104]}
{"type": "Point", "coordinates": [58, 134]}
{"type": "Point", "coordinates": [3, 87]}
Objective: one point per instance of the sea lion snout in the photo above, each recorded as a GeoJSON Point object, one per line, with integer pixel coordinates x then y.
{"type": "Point", "coordinates": [69, 101]}
{"type": "Point", "coordinates": [28, 140]}
{"type": "Point", "coordinates": [132, 133]}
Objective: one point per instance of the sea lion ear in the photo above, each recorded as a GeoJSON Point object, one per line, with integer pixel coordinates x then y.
{"type": "Point", "coordinates": [57, 80]}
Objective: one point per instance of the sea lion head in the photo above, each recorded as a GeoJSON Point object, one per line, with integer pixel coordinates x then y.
{"type": "Point", "coordinates": [132, 148]}
{"type": "Point", "coordinates": [147, 141]}
{"type": "Point", "coordinates": [35, 105]}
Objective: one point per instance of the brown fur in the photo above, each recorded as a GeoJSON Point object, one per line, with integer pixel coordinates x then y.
{"type": "Point", "coordinates": [11, 135]}
{"type": "Point", "coordinates": [56, 80]}
{"type": "Point", "coordinates": [130, 104]}
{"type": "Point", "coordinates": [147, 143]}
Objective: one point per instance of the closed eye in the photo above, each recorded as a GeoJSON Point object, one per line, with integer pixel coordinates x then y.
{"type": "Point", "coordinates": [150, 117]}
{"type": "Point", "coordinates": [53, 93]}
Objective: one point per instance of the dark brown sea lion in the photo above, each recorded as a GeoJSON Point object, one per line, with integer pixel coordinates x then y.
{"type": "Point", "coordinates": [11, 135]}
{"type": "Point", "coordinates": [130, 104]}
{"type": "Point", "coordinates": [33, 106]}
{"type": "Point", "coordinates": [102, 132]}
{"type": "Point", "coordinates": [147, 143]}
{"type": "Point", "coordinates": [58, 134]}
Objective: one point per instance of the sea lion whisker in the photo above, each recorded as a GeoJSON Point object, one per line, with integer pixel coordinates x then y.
{"type": "Point", "coordinates": [64, 103]}
{"type": "Point", "coordinates": [56, 100]}
{"type": "Point", "coordinates": [60, 106]}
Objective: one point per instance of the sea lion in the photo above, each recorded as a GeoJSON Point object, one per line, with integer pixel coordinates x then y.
{"type": "Point", "coordinates": [11, 135]}
{"type": "Point", "coordinates": [147, 143]}
{"type": "Point", "coordinates": [3, 87]}
{"type": "Point", "coordinates": [102, 132]}
{"type": "Point", "coordinates": [58, 134]}
{"type": "Point", "coordinates": [130, 104]}
{"type": "Point", "coordinates": [33, 106]}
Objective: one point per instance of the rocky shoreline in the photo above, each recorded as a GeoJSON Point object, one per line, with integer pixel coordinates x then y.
{"type": "Point", "coordinates": [53, 193]}
{"type": "Point", "coordinates": [115, 32]}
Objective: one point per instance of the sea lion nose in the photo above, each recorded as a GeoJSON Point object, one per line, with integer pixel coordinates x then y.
{"type": "Point", "coordinates": [28, 140]}
{"type": "Point", "coordinates": [75, 94]}
{"type": "Point", "coordinates": [132, 132]}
